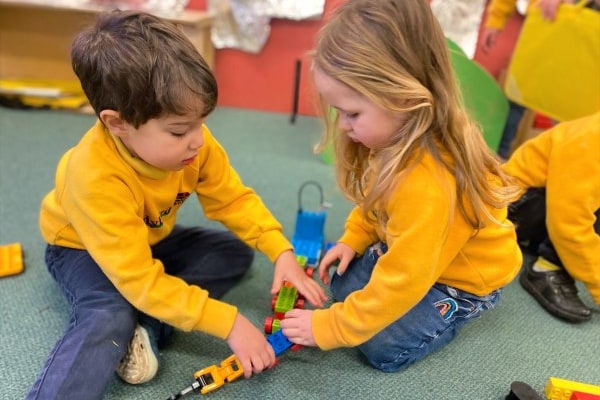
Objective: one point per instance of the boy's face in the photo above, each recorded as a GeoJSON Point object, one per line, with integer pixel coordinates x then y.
{"type": "Point", "coordinates": [169, 143]}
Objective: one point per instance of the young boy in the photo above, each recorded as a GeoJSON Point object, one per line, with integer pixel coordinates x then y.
{"type": "Point", "coordinates": [558, 217]}
{"type": "Point", "coordinates": [129, 272]}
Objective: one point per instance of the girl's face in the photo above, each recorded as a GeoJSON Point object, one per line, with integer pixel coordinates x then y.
{"type": "Point", "coordinates": [362, 120]}
{"type": "Point", "coordinates": [169, 143]}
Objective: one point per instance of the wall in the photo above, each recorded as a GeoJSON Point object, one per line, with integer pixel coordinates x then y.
{"type": "Point", "coordinates": [265, 81]}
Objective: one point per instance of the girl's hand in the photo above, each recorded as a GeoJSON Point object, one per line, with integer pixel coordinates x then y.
{"type": "Point", "coordinates": [297, 327]}
{"type": "Point", "coordinates": [288, 269]}
{"type": "Point", "coordinates": [340, 252]}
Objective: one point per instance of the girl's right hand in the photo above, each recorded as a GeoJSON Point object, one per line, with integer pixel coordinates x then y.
{"type": "Point", "coordinates": [250, 346]}
{"type": "Point", "coordinates": [340, 252]}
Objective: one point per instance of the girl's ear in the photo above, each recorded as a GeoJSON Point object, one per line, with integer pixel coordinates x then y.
{"type": "Point", "coordinates": [112, 120]}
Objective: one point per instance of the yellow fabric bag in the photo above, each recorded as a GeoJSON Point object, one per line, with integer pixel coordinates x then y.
{"type": "Point", "coordinates": [555, 67]}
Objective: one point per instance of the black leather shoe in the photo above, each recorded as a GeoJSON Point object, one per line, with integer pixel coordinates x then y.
{"type": "Point", "coordinates": [522, 391]}
{"type": "Point", "coordinates": [556, 292]}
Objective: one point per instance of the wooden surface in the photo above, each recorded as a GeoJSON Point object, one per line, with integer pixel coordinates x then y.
{"type": "Point", "coordinates": [36, 36]}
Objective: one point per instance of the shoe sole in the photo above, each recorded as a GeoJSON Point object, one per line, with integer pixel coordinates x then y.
{"type": "Point", "coordinates": [146, 363]}
{"type": "Point", "coordinates": [551, 308]}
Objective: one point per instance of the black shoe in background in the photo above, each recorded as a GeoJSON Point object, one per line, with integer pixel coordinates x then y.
{"type": "Point", "coordinates": [556, 292]}
{"type": "Point", "coordinates": [522, 391]}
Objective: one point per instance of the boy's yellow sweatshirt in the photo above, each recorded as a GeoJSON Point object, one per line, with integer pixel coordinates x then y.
{"type": "Point", "coordinates": [428, 242]}
{"type": "Point", "coordinates": [566, 161]}
{"type": "Point", "coordinates": [116, 207]}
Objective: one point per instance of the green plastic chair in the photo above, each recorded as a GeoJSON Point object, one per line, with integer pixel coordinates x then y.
{"type": "Point", "coordinates": [484, 99]}
{"type": "Point", "coordinates": [453, 47]}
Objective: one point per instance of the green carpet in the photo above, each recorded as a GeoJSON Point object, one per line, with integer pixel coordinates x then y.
{"type": "Point", "coordinates": [515, 341]}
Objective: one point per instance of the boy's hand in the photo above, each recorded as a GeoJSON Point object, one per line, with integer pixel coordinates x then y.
{"type": "Point", "coordinates": [250, 346]}
{"type": "Point", "coordinates": [340, 252]}
{"type": "Point", "coordinates": [288, 269]}
{"type": "Point", "coordinates": [297, 327]}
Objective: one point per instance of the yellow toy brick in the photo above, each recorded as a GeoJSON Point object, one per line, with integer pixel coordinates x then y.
{"type": "Point", "coordinates": [11, 259]}
{"type": "Point", "coordinates": [562, 389]}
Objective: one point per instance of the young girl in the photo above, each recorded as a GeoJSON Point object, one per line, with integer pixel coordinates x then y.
{"type": "Point", "coordinates": [428, 246]}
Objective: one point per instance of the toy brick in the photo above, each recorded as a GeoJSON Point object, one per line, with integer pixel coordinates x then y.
{"type": "Point", "coordinates": [302, 260]}
{"type": "Point", "coordinates": [279, 342]}
{"type": "Point", "coordinates": [310, 225]}
{"type": "Point", "coordinates": [584, 396]}
{"type": "Point", "coordinates": [11, 259]}
{"type": "Point", "coordinates": [308, 235]}
{"type": "Point", "coordinates": [285, 300]}
{"type": "Point", "coordinates": [562, 389]}
{"type": "Point", "coordinates": [276, 325]}
{"type": "Point", "coordinates": [309, 248]}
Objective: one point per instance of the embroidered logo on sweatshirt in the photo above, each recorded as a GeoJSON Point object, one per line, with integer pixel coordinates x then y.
{"type": "Point", "coordinates": [157, 222]}
{"type": "Point", "coordinates": [181, 198]}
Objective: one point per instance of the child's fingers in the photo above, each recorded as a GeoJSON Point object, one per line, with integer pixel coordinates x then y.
{"type": "Point", "coordinates": [276, 286]}
{"type": "Point", "coordinates": [314, 293]}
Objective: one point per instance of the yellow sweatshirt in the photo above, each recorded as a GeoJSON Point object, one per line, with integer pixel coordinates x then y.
{"type": "Point", "coordinates": [566, 161]}
{"type": "Point", "coordinates": [428, 241]}
{"type": "Point", "coordinates": [499, 11]}
{"type": "Point", "coordinates": [116, 207]}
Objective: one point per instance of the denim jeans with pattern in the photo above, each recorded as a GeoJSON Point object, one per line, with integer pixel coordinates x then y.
{"type": "Point", "coordinates": [429, 325]}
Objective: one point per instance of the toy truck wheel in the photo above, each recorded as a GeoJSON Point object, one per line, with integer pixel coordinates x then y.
{"type": "Point", "coordinates": [273, 302]}
{"type": "Point", "coordinates": [299, 303]}
{"type": "Point", "coordinates": [268, 326]}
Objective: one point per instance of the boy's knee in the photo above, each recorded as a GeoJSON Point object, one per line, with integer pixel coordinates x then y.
{"type": "Point", "coordinates": [247, 253]}
{"type": "Point", "coordinates": [117, 321]}
{"type": "Point", "coordinates": [241, 258]}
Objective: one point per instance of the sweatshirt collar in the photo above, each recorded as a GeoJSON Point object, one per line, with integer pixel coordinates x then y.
{"type": "Point", "coordinates": [140, 166]}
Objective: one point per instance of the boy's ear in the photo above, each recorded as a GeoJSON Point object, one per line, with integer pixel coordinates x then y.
{"type": "Point", "coordinates": [113, 121]}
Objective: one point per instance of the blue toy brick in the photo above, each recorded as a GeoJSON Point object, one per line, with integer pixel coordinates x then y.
{"type": "Point", "coordinates": [310, 225]}
{"type": "Point", "coordinates": [309, 235]}
{"type": "Point", "coordinates": [311, 249]}
{"type": "Point", "coordinates": [279, 342]}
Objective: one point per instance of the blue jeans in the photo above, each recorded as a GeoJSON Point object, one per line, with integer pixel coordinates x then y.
{"type": "Point", "coordinates": [102, 321]}
{"type": "Point", "coordinates": [515, 114]}
{"type": "Point", "coordinates": [428, 326]}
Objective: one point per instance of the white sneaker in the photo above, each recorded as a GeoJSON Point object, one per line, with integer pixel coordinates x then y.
{"type": "Point", "coordinates": [139, 364]}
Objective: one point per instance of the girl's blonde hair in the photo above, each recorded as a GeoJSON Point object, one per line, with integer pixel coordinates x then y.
{"type": "Point", "coordinates": [394, 53]}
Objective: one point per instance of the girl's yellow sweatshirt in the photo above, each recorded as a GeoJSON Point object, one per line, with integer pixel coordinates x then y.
{"type": "Point", "coordinates": [428, 242]}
